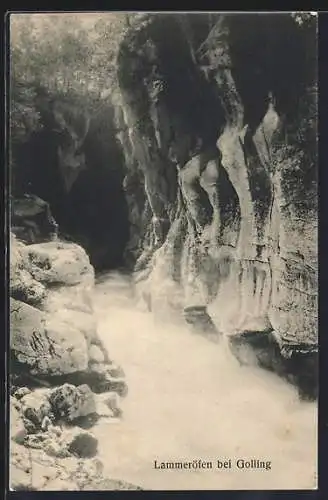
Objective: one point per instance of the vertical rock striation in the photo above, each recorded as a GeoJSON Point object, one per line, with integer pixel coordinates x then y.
{"type": "Point", "coordinates": [218, 127]}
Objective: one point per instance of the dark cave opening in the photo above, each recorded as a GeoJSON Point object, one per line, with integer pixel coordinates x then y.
{"type": "Point", "coordinates": [94, 213]}
{"type": "Point", "coordinates": [97, 218]}
{"type": "Point", "coordinates": [98, 207]}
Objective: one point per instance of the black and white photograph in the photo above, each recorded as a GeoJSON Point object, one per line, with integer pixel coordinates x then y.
{"type": "Point", "coordinates": [163, 250]}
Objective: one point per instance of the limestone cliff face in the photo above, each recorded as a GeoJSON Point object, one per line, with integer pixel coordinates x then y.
{"type": "Point", "coordinates": [218, 127]}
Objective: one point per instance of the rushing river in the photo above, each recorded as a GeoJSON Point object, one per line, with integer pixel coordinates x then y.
{"type": "Point", "coordinates": [188, 400]}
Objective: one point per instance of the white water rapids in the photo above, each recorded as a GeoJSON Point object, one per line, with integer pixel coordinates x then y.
{"type": "Point", "coordinates": [188, 400]}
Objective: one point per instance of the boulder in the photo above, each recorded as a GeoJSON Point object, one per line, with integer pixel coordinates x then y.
{"type": "Point", "coordinates": [57, 262]}
{"type": "Point", "coordinates": [22, 285]}
{"type": "Point", "coordinates": [31, 219]}
{"type": "Point", "coordinates": [55, 447]}
{"type": "Point", "coordinates": [85, 322]}
{"type": "Point", "coordinates": [18, 432]}
{"type": "Point", "coordinates": [75, 297]}
{"type": "Point", "coordinates": [35, 406]}
{"type": "Point", "coordinates": [107, 405]}
{"type": "Point", "coordinates": [37, 440]}
{"type": "Point", "coordinates": [25, 288]}
{"type": "Point", "coordinates": [115, 370]}
{"type": "Point", "coordinates": [96, 355]}
{"type": "Point", "coordinates": [69, 402]}
{"type": "Point", "coordinates": [21, 392]}
{"type": "Point", "coordinates": [44, 346]}
{"type": "Point", "coordinates": [101, 380]}
{"type": "Point", "coordinates": [83, 444]}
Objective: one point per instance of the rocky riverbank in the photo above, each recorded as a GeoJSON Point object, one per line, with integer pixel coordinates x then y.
{"type": "Point", "coordinates": [62, 379]}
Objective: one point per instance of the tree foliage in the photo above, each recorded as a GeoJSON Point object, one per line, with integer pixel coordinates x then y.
{"type": "Point", "coordinates": [70, 55]}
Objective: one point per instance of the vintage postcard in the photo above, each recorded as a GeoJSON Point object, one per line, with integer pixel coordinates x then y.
{"type": "Point", "coordinates": [163, 251]}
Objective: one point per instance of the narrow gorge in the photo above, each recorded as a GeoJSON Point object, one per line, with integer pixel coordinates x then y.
{"type": "Point", "coordinates": [221, 118]}
{"type": "Point", "coordinates": [164, 263]}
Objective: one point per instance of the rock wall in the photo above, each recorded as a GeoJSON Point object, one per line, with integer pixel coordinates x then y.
{"type": "Point", "coordinates": [62, 378]}
{"type": "Point", "coordinates": [218, 121]}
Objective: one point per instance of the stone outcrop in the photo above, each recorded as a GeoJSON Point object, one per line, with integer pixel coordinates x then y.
{"type": "Point", "coordinates": [218, 126]}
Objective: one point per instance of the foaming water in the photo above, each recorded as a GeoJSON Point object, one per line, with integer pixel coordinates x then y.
{"type": "Point", "coordinates": [189, 399]}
